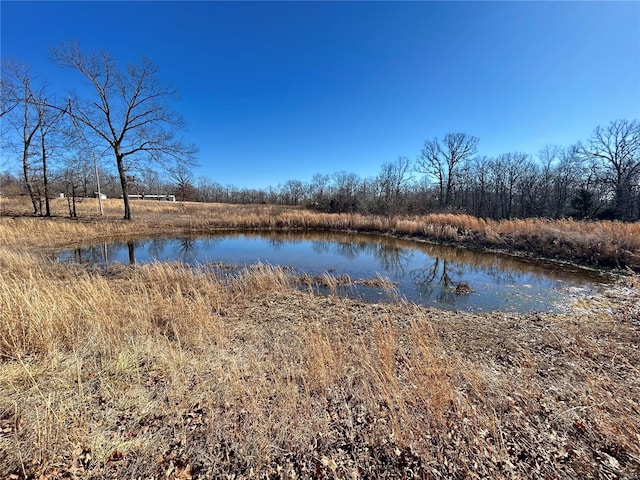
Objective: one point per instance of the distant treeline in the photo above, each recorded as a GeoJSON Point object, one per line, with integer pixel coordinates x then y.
{"type": "Point", "coordinates": [597, 179]}
{"type": "Point", "coordinates": [125, 116]}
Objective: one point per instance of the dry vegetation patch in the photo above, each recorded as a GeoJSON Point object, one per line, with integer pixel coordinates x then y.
{"type": "Point", "coordinates": [169, 372]}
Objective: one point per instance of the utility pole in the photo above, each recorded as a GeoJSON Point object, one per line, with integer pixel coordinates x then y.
{"type": "Point", "coordinates": [95, 164]}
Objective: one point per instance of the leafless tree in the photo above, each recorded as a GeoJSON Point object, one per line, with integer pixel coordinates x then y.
{"type": "Point", "coordinates": [76, 179]}
{"type": "Point", "coordinates": [9, 100]}
{"type": "Point", "coordinates": [615, 151]}
{"type": "Point", "coordinates": [210, 191]}
{"type": "Point", "coordinates": [130, 113]}
{"type": "Point", "coordinates": [183, 180]}
{"type": "Point", "coordinates": [152, 181]}
{"type": "Point", "coordinates": [392, 181]}
{"type": "Point", "coordinates": [26, 116]}
{"type": "Point", "coordinates": [478, 178]}
{"type": "Point", "coordinates": [50, 124]}
{"type": "Point", "coordinates": [294, 192]}
{"type": "Point", "coordinates": [319, 189]}
{"type": "Point", "coordinates": [511, 167]}
{"type": "Point", "coordinates": [442, 160]}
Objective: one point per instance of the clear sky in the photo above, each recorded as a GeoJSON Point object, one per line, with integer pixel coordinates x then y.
{"type": "Point", "coordinates": [273, 91]}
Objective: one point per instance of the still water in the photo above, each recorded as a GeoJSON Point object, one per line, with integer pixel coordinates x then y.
{"type": "Point", "coordinates": [423, 273]}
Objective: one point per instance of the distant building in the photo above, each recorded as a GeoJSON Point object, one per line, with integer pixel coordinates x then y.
{"type": "Point", "coordinates": [162, 198]}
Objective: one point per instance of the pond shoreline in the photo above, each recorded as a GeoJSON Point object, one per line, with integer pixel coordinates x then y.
{"type": "Point", "coordinates": [596, 245]}
{"type": "Point", "coordinates": [427, 273]}
{"type": "Point", "coordinates": [474, 246]}
{"type": "Point", "coordinates": [153, 218]}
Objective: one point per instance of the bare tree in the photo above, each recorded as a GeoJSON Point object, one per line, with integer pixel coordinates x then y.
{"type": "Point", "coordinates": [22, 101]}
{"type": "Point", "coordinates": [183, 181]}
{"type": "Point", "coordinates": [210, 191]}
{"type": "Point", "coordinates": [151, 181]}
{"type": "Point", "coordinates": [511, 167]}
{"type": "Point", "coordinates": [615, 151]}
{"type": "Point", "coordinates": [9, 99]}
{"type": "Point", "coordinates": [478, 177]}
{"type": "Point", "coordinates": [10, 184]}
{"type": "Point", "coordinates": [537, 182]}
{"type": "Point", "coordinates": [130, 113]}
{"type": "Point", "coordinates": [294, 192]}
{"type": "Point", "coordinates": [345, 196]}
{"type": "Point", "coordinates": [50, 123]}
{"type": "Point", "coordinates": [392, 181]}
{"type": "Point", "coordinates": [431, 164]}
{"type": "Point", "coordinates": [318, 189]}
{"type": "Point", "coordinates": [443, 160]}
{"type": "Point", "coordinates": [566, 177]}
{"type": "Point", "coordinates": [76, 177]}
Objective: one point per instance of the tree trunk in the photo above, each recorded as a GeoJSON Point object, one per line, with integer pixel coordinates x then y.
{"type": "Point", "coordinates": [447, 193]}
{"type": "Point", "coordinates": [45, 179]}
{"type": "Point", "coordinates": [125, 186]}
{"type": "Point", "coordinates": [25, 172]}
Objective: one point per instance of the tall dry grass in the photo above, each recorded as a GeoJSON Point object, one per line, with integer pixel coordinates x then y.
{"type": "Point", "coordinates": [165, 371]}
{"type": "Point", "coordinates": [161, 368]}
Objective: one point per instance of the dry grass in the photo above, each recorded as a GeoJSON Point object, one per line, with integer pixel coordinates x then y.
{"type": "Point", "coordinates": [603, 243]}
{"type": "Point", "coordinates": [169, 372]}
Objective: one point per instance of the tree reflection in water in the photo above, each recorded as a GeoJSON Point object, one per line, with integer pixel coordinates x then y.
{"type": "Point", "coordinates": [186, 250]}
{"type": "Point", "coordinates": [276, 243]}
{"type": "Point", "coordinates": [131, 247]}
{"type": "Point", "coordinates": [156, 246]}
{"type": "Point", "coordinates": [425, 273]}
{"type": "Point", "coordinates": [391, 258]}
{"type": "Point", "coordinates": [96, 254]}
{"type": "Point", "coordinates": [438, 280]}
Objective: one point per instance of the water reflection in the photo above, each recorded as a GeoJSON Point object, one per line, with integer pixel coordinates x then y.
{"type": "Point", "coordinates": [439, 279]}
{"type": "Point", "coordinates": [424, 273]}
{"type": "Point", "coordinates": [185, 249]}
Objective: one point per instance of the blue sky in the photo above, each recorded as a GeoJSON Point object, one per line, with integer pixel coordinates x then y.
{"type": "Point", "coordinates": [273, 91]}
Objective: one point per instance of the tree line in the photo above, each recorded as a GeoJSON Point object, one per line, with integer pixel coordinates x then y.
{"type": "Point", "coordinates": [598, 178]}
{"type": "Point", "coordinates": [126, 115]}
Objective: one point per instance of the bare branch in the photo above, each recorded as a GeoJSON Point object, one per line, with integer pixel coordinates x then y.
{"type": "Point", "coordinates": [130, 112]}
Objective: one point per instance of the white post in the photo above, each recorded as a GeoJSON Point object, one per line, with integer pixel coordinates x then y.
{"type": "Point", "coordinates": [95, 164]}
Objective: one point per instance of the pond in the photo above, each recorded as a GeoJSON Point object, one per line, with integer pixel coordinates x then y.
{"type": "Point", "coordinates": [432, 275]}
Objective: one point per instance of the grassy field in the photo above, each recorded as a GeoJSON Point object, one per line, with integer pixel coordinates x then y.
{"type": "Point", "coordinates": [161, 371]}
